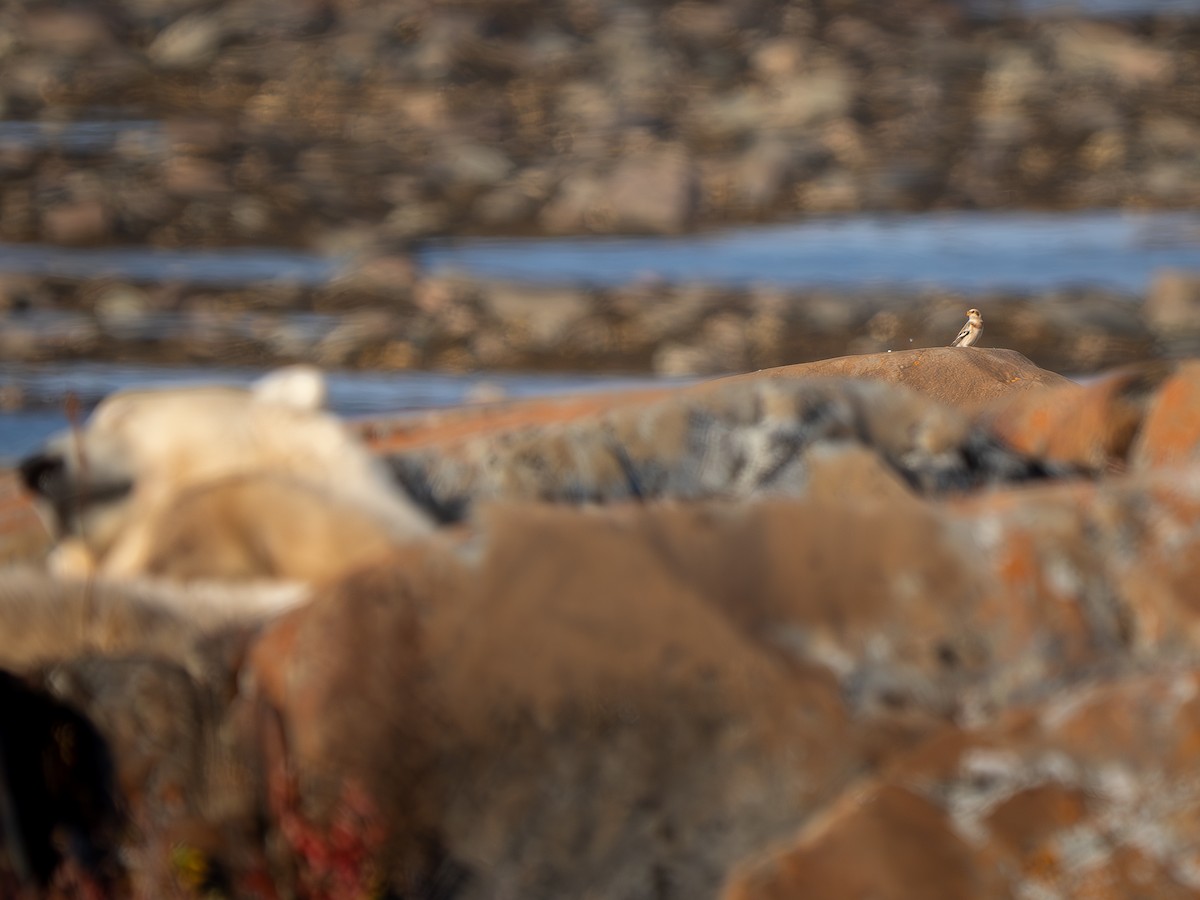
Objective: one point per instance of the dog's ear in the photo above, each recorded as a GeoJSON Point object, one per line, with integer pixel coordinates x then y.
{"type": "Point", "coordinates": [296, 387]}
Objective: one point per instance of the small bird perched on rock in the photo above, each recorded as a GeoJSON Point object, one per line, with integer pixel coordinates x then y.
{"type": "Point", "coordinates": [971, 331]}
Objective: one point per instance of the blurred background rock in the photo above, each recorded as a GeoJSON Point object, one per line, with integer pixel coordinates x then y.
{"type": "Point", "coordinates": [355, 133]}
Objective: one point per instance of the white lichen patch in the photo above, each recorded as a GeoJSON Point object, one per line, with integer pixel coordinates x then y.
{"type": "Point", "coordinates": [1081, 849]}
{"type": "Point", "coordinates": [1063, 577]}
{"type": "Point", "coordinates": [987, 777]}
{"type": "Point", "coordinates": [815, 647]}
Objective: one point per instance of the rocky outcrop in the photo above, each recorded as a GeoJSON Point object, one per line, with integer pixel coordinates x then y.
{"type": "Point", "coordinates": [982, 692]}
{"type": "Point", "coordinates": [1056, 799]}
{"type": "Point", "coordinates": [1142, 416]}
{"type": "Point", "coordinates": [748, 438]}
{"type": "Point", "coordinates": [657, 691]}
{"type": "Point", "coordinates": [964, 378]}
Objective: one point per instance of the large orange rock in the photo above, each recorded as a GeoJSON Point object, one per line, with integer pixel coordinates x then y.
{"type": "Point", "coordinates": [960, 377]}
{"type": "Point", "coordinates": [963, 377]}
{"type": "Point", "coordinates": [657, 691]}
{"type": "Point", "coordinates": [560, 726]}
{"type": "Point", "coordinates": [1140, 416]}
{"type": "Point", "coordinates": [1170, 431]}
{"type": "Point", "coordinates": [1093, 426]}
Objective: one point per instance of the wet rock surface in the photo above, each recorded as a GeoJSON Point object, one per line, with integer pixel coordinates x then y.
{"type": "Point", "coordinates": [989, 691]}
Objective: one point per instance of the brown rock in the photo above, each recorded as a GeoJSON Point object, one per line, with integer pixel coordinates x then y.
{"type": "Point", "coordinates": [965, 378]}
{"type": "Point", "coordinates": [352, 724]}
{"type": "Point", "coordinates": [1170, 430]}
{"type": "Point", "coordinates": [1092, 426]}
{"type": "Point", "coordinates": [75, 32]}
{"type": "Point", "coordinates": [1141, 416]}
{"type": "Point", "coordinates": [739, 438]}
{"type": "Point", "coordinates": [1102, 50]}
{"type": "Point", "coordinates": [538, 317]}
{"type": "Point", "coordinates": [80, 222]}
{"type": "Point", "coordinates": [886, 842]}
{"type": "Point", "coordinates": [187, 44]}
{"type": "Point", "coordinates": [604, 679]}
{"type": "Point", "coordinates": [627, 732]}
{"type": "Point", "coordinates": [656, 193]}
{"type": "Point", "coordinates": [190, 176]}
{"type": "Point", "coordinates": [1056, 799]}
{"type": "Point", "coordinates": [1173, 303]}
{"type": "Point", "coordinates": [446, 427]}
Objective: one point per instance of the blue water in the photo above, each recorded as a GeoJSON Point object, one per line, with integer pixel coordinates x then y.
{"type": "Point", "coordinates": [965, 251]}
{"type": "Point", "coordinates": [1094, 9]}
{"type": "Point", "coordinates": [45, 389]}
{"type": "Point", "coordinates": [85, 137]}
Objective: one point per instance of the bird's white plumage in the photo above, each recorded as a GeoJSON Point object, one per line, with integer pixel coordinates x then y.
{"type": "Point", "coordinates": [971, 331]}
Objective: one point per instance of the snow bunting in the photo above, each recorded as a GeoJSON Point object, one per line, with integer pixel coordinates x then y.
{"type": "Point", "coordinates": [971, 331]}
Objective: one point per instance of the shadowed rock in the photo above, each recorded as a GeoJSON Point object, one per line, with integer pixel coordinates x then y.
{"type": "Point", "coordinates": [58, 803]}
{"type": "Point", "coordinates": [153, 669]}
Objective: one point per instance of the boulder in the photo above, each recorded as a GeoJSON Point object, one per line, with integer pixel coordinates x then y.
{"type": "Point", "coordinates": [1056, 799]}
{"type": "Point", "coordinates": [743, 438]}
{"type": "Point", "coordinates": [565, 699]}
{"type": "Point", "coordinates": [593, 699]}
{"type": "Point", "coordinates": [1170, 428]}
{"type": "Point", "coordinates": [1092, 426]}
{"type": "Point", "coordinates": [1140, 416]}
{"type": "Point", "coordinates": [962, 377]}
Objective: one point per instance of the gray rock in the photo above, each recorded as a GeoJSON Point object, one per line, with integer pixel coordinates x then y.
{"type": "Point", "coordinates": [544, 316]}
{"type": "Point", "coordinates": [738, 440]}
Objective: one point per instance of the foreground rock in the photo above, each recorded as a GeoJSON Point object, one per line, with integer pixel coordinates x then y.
{"type": "Point", "coordinates": [1056, 799]}
{"type": "Point", "coordinates": [695, 679]}
{"type": "Point", "coordinates": [987, 692]}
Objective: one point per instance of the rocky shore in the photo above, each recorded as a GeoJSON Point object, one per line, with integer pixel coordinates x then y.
{"type": "Point", "coordinates": [385, 317]}
{"type": "Point", "coordinates": [924, 634]}
{"type": "Point", "coordinates": [333, 123]}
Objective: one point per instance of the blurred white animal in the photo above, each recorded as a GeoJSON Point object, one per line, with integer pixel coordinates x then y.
{"type": "Point", "coordinates": [218, 483]}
